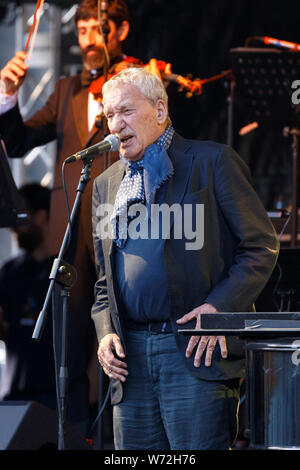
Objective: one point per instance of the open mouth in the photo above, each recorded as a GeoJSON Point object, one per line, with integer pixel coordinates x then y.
{"type": "Point", "coordinates": [126, 140]}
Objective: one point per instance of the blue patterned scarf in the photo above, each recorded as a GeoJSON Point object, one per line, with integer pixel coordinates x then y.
{"type": "Point", "coordinates": [140, 183]}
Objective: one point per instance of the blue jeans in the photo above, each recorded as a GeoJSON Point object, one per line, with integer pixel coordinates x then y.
{"type": "Point", "coordinates": [165, 407]}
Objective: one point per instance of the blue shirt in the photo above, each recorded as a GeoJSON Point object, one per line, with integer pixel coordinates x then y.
{"type": "Point", "coordinates": [141, 275]}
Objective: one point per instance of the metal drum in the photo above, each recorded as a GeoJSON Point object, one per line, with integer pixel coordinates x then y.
{"type": "Point", "coordinates": [273, 381]}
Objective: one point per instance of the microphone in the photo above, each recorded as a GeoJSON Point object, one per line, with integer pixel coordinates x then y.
{"type": "Point", "coordinates": [111, 143]}
{"type": "Point", "coordinates": [278, 42]}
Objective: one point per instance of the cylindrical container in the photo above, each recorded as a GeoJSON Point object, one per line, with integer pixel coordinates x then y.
{"type": "Point", "coordinates": [273, 386]}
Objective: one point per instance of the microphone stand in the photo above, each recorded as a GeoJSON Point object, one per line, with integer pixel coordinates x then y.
{"type": "Point", "coordinates": [230, 106]}
{"type": "Point", "coordinates": [65, 275]}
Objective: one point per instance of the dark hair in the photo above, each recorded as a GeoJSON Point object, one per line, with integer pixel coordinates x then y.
{"type": "Point", "coordinates": [35, 197]}
{"type": "Point", "coordinates": [117, 11]}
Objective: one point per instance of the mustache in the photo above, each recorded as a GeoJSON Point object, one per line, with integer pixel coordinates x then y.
{"type": "Point", "coordinates": [87, 49]}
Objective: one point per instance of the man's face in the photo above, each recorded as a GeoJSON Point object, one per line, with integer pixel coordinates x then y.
{"type": "Point", "coordinates": [134, 119]}
{"type": "Point", "coordinates": [91, 42]}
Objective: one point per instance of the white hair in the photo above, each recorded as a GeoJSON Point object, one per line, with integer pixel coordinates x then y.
{"type": "Point", "coordinates": [149, 84]}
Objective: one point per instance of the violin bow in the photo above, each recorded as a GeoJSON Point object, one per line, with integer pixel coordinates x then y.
{"type": "Point", "coordinates": [34, 28]}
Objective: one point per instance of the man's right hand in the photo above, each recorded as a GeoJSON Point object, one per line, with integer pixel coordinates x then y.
{"type": "Point", "coordinates": [14, 73]}
{"type": "Point", "coordinates": [110, 348]}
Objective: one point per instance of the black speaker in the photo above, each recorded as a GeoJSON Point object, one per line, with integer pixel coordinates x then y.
{"type": "Point", "coordinates": [28, 425]}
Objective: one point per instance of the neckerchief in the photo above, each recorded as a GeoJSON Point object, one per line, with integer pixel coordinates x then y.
{"type": "Point", "coordinates": [140, 183]}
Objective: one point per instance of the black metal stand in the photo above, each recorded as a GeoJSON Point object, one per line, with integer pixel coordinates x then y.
{"type": "Point", "coordinates": [230, 109]}
{"type": "Point", "coordinates": [264, 80]}
{"type": "Point", "coordinates": [65, 275]}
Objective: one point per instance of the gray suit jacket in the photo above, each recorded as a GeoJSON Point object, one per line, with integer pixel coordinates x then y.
{"type": "Point", "coordinates": [230, 270]}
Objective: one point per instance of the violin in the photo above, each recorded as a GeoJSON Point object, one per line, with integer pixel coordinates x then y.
{"type": "Point", "coordinates": [192, 87]}
{"type": "Point", "coordinates": [96, 86]}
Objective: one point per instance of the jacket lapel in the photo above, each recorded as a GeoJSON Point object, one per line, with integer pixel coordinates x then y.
{"type": "Point", "coordinates": [114, 182]}
{"type": "Point", "coordinates": [113, 186]}
{"type": "Point", "coordinates": [182, 161]}
{"type": "Point", "coordinates": [80, 113]}
{"type": "Point", "coordinates": [91, 134]}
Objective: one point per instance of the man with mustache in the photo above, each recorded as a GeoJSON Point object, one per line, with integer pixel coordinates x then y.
{"type": "Point", "coordinates": [71, 116]}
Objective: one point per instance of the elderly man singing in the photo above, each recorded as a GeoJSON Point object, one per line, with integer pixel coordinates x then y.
{"type": "Point", "coordinates": [170, 391]}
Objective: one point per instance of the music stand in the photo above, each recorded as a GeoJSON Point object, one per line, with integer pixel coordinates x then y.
{"type": "Point", "coordinates": [12, 207]}
{"type": "Point", "coordinates": [264, 80]}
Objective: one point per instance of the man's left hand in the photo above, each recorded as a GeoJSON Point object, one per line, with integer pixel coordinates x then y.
{"type": "Point", "coordinates": [203, 343]}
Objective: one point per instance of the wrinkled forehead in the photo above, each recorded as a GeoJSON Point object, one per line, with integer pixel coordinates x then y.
{"type": "Point", "coordinates": [122, 94]}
